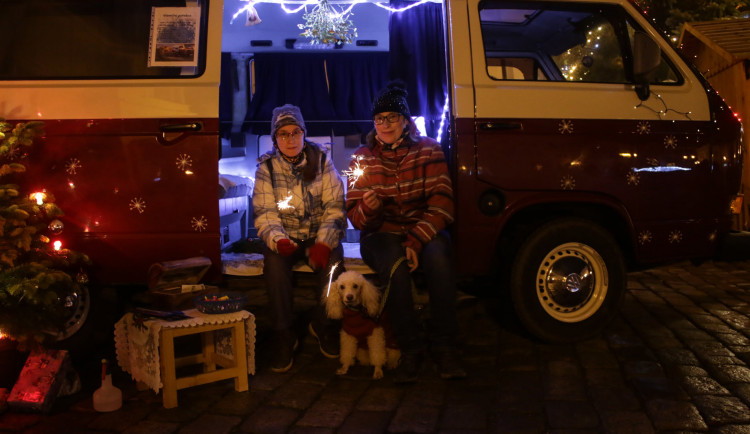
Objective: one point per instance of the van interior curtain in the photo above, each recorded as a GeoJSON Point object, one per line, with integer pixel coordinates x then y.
{"type": "Point", "coordinates": [417, 57]}
{"type": "Point", "coordinates": [334, 91]}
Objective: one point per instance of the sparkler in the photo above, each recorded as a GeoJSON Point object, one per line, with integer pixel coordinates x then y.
{"type": "Point", "coordinates": [330, 277]}
{"type": "Point", "coordinates": [284, 203]}
{"type": "Point", "coordinates": [354, 173]}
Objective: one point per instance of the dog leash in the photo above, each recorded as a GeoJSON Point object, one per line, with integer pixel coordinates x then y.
{"type": "Point", "coordinates": [384, 298]}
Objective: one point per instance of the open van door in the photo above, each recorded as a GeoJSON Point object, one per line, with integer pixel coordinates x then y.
{"type": "Point", "coordinates": [128, 93]}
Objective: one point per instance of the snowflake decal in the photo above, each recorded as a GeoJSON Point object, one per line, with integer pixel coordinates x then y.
{"type": "Point", "coordinates": [565, 127]}
{"type": "Point", "coordinates": [568, 182]}
{"type": "Point", "coordinates": [670, 142]}
{"type": "Point", "coordinates": [13, 152]}
{"type": "Point", "coordinates": [644, 237]}
{"type": "Point", "coordinates": [199, 224]}
{"type": "Point", "coordinates": [643, 127]}
{"type": "Point", "coordinates": [72, 166]}
{"type": "Point", "coordinates": [184, 162]}
{"type": "Point", "coordinates": [138, 204]}
{"type": "Point", "coordinates": [675, 236]}
{"type": "Point", "coordinates": [633, 177]}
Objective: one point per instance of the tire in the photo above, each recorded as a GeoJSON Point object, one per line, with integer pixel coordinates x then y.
{"type": "Point", "coordinates": [567, 280]}
{"type": "Point", "coordinates": [79, 325]}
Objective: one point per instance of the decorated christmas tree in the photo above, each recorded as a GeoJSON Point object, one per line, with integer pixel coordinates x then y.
{"type": "Point", "coordinates": [39, 280]}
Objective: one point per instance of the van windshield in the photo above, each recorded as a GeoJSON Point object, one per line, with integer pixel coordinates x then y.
{"type": "Point", "coordinates": [85, 39]}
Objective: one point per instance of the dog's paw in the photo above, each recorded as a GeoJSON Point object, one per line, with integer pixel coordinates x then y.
{"type": "Point", "coordinates": [342, 370]}
{"type": "Point", "coordinates": [377, 374]}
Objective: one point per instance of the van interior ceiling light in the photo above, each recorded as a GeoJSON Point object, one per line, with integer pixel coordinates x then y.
{"type": "Point", "coordinates": [253, 18]}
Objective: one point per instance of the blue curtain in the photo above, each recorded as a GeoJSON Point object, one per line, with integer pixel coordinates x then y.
{"type": "Point", "coordinates": [334, 91]}
{"type": "Point", "coordinates": [417, 57]}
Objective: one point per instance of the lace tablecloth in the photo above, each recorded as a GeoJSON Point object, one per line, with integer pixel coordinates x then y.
{"type": "Point", "coordinates": [137, 342]}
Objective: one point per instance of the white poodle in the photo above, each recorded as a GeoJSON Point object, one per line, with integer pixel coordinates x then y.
{"type": "Point", "coordinates": [364, 334]}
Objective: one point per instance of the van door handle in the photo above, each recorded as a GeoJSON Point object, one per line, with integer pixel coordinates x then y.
{"type": "Point", "coordinates": [195, 126]}
{"type": "Point", "coordinates": [180, 129]}
{"type": "Point", "coordinates": [501, 126]}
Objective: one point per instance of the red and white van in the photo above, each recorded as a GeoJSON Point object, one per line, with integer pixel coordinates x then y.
{"type": "Point", "coordinates": [580, 142]}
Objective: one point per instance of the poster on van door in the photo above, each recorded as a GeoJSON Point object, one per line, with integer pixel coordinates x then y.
{"type": "Point", "coordinates": [174, 36]}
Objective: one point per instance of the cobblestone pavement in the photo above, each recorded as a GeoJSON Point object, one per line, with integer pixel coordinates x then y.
{"type": "Point", "coordinates": [675, 360]}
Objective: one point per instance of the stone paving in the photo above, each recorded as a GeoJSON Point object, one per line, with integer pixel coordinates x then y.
{"type": "Point", "coordinates": [675, 360]}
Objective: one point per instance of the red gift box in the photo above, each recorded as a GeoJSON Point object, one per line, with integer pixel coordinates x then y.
{"type": "Point", "coordinates": [40, 381]}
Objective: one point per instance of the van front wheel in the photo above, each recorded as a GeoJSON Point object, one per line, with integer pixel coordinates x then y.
{"type": "Point", "coordinates": [567, 280]}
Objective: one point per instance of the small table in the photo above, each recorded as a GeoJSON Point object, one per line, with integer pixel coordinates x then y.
{"type": "Point", "coordinates": [145, 349]}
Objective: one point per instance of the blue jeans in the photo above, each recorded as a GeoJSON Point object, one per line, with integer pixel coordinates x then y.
{"type": "Point", "coordinates": [380, 251]}
{"type": "Point", "coordinates": [277, 271]}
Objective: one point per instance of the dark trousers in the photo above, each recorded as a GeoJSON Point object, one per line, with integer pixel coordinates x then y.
{"type": "Point", "coordinates": [277, 271]}
{"type": "Point", "coordinates": [381, 251]}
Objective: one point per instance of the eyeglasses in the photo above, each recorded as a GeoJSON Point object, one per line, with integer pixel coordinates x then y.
{"type": "Point", "coordinates": [287, 136]}
{"type": "Point", "coordinates": [391, 119]}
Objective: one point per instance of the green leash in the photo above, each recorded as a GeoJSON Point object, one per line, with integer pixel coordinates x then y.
{"type": "Point", "coordinates": [384, 298]}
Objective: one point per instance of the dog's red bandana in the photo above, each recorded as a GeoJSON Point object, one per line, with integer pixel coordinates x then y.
{"type": "Point", "coordinates": [361, 326]}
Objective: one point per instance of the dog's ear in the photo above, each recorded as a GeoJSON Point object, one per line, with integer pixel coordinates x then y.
{"type": "Point", "coordinates": [370, 297]}
{"type": "Point", "coordinates": [334, 305]}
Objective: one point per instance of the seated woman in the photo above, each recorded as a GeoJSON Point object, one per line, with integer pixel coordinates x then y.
{"type": "Point", "coordinates": [298, 202]}
{"type": "Point", "coordinates": [403, 205]}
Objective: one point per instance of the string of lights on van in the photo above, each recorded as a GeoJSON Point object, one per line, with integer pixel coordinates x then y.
{"type": "Point", "coordinates": [304, 3]}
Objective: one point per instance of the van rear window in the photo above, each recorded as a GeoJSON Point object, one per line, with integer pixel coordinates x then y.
{"type": "Point", "coordinates": [103, 39]}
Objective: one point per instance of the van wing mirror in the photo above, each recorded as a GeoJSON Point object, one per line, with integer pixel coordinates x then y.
{"type": "Point", "coordinates": [646, 58]}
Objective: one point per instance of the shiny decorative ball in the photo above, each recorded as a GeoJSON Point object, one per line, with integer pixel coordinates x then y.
{"type": "Point", "coordinates": [56, 226]}
{"type": "Point", "coordinates": [82, 278]}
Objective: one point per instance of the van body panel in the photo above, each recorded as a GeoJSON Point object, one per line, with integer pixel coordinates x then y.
{"type": "Point", "coordinates": [129, 197]}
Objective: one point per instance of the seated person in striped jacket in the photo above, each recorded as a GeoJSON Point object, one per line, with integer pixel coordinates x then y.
{"type": "Point", "coordinates": [402, 205]}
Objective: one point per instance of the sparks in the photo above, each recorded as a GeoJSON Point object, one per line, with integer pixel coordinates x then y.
{"type": "Point", "coordinates": [330, 277]}
{"type": "Point", "coordinates": [355, 173]}
{"type": "Point", "coordinates": [284, 203]}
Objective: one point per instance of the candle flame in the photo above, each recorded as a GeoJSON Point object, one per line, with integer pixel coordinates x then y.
{"type": "Point", "coordinates": [39, 197]}
{"type": "Point", "coordinates": [57, 245]}
{"type": "Point", "coordinates": [330, 277]}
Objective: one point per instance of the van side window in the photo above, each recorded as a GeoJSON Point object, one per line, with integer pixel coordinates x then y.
{"type": "Point", "coordinates": [554, 41]}
{"type": "Point", "coordinates": [85, 39]}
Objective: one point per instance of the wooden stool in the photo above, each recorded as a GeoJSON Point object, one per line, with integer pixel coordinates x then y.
{"type": "Point", "coordinates": [232, 368]}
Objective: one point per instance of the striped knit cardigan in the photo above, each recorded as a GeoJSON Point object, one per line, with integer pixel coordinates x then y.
{"type": "Point", "coordinates": [414, 185]}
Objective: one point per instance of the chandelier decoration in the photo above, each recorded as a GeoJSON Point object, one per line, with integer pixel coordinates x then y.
{"type": "Point", "coordinates": [324, 25]}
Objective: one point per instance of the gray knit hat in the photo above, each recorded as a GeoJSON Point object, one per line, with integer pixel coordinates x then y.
{"type": "Point", "coordinates": [392, 99]}
{"type": "Point", "coordinates": [286, 115]}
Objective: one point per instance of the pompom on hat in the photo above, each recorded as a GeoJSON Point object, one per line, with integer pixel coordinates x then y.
{"type": "Point", "coordinates": [392, 99]}
{"type": "Point", "coordinates": [286, 115]}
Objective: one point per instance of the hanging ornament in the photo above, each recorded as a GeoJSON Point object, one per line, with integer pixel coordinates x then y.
{"type": "Point", "coordinates": [56, 226]}
{"type": "Point", "coordinates": [252, 15]}
{"type": "Point", "coordinates": [82, 278]}
{"type": "Point", "coordinates": [326, 26]}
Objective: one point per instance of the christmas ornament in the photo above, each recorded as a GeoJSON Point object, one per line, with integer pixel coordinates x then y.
{"type": "Point", "coordinates": [82, 278]}
{"type": "Point", "coordinates": [326, 26]}
{"type": "Point", "coordinates": [56, 226]}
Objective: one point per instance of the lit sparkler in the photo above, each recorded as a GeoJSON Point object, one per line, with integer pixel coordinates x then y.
{"type": "Point", "coordinates": [284, 203]}
{"type": "Point", "coordinates": [330, 277]}
{"type": "Point", "coordinates": [354, 173]}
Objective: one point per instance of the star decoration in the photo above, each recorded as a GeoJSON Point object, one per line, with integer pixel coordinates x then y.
{"type": "Point", "coordinates": [199, 224]}
{"type": "Point", "coordinates": [675, 236]}
{"type": "Point", "coordinates": [565, 127]}
{"type": "Point", "coordinates": [670, 142]}
{"type": "Point", "coordinates": [138, 204]}
{"type": "Point", "coordinates": [633, 177]}
{"type": "Point", "coordinates": [72, 166]}
{"type": "Point", "coordinates": [644, 237]}
{"type": "Point", "coordinates": [643, 127]}
{"type": "Point", "coordinates": [184, 162]}
{"type": "Point", "coordinates": [568, 182]}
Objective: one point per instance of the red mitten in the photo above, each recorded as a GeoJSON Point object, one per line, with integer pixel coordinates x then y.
{"type": "Point", "coordinates": [286, 247]}
{"type": "Point", "coordinates": [318, 255]}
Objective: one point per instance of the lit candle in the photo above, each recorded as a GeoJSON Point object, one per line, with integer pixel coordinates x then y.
{"type": "Point", "coordinates": [57, 245]}
{"type": "Point", "coordinates": [39, 197]}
